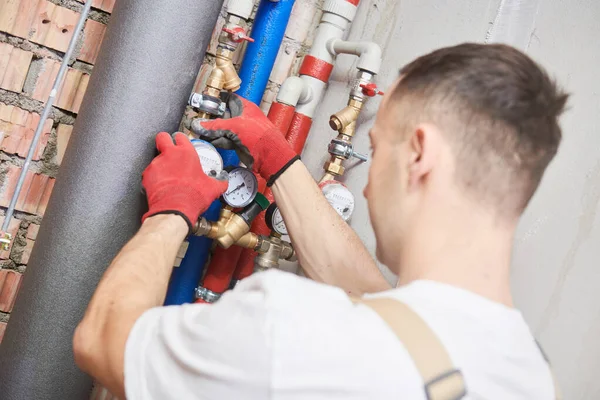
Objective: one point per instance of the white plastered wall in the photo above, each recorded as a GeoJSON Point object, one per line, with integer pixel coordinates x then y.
{"type": "Point", "coordinates": [556, 263]}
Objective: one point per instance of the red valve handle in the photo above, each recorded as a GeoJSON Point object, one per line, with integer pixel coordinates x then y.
{"type": "Point", "coordinates": [238, 35]}
{"type": "Point", "coordinates": [370, 89]}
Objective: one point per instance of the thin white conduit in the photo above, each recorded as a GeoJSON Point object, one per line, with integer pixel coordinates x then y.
{"type": "Point", "coordinates": [514, 23]}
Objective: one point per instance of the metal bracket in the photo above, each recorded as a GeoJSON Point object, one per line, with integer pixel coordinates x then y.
{"type": "Point", "coordinates": [344, 149]}
{"type": "Point", "coordinates": [208, 104]}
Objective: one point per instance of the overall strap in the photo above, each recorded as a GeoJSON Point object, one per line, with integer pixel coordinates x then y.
{"type": "Point", "coordinates": [442, 380]}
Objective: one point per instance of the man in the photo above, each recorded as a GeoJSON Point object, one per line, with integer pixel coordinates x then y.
{"type": "Point", "coordinates": [460, 144]}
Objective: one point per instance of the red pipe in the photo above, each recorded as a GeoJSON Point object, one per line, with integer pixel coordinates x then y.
{"type": "Point", "coordinates": [315, 67]}
{"type": "Point", "coordinates": [298, 132]}
{"type": "Point", "coordinates": [220, 270]}
{"type": "Point", "coordinates": [281, 116]}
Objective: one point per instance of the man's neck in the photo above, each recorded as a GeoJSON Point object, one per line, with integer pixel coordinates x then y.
{"type": "Point", "coordinates": [473, 254]}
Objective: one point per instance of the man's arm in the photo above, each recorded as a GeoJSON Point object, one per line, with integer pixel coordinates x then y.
{"type": "Point", "coordinates": [135, 281]}
{"type": "Point", "coordinates": [178, 191]}
{"type": "Point", "coordinates": [328, 249]}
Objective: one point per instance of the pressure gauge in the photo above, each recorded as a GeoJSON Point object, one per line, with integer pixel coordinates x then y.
{"type": "Point", "coordinates": [339, 197]}
{"type": "Point", "coordinates": [242, 188]}
{"type": "Point", "coordinates": [274, 220]}
{"type": "Point", "coordinates": [212, 163]}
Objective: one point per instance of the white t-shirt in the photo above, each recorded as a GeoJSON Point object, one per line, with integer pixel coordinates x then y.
{"type": "Point", "coordinates": [280, 336]}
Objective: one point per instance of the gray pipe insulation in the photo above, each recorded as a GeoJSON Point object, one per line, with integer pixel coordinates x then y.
{"type": "Point", "coordinates": [149, 59]}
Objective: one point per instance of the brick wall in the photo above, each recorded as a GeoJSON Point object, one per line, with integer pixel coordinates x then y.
{"type": "Point", "coordinates": [34, 34]}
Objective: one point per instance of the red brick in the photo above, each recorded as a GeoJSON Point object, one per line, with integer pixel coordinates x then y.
{"type": "Point", "coordinates": [10, 282]}
{"type": "Point", "coordinates": [93, 33]}
{"type": "Point", "coordinates": [63, 134]}
{"type": "Point", "coordinates": [2, 330]}
{"type": "Point", "coordinates": [62, 25]}
{"type": "Point", "coordinates": [81, 89]}
{"type": "Point", "coordinates": [34, 193]}
{"type": "Point", "coordinates": [45, 79]}
{"type": "Point", "coordinates": [9, 10]}
{"type": "Point", "coordinates": [27, 251]}
{"type": "Point", "coordinates": [13, 228]}
{"type": "Point", "coordinates": [41, 210]}
{"type": "Point", "coordinates": [6, 112]}
{"type": "Point", "coordinates": [14, 64]}
{"type": "Point", "coordinates": [71, 91]}
{"type": "Point", "coordinates": [32, 231]}
{"type": "Point", "coordinates": [104, 5]}
{"type": "Point", "coordinates": [39, 21]}
{"type": "Point", "coordinates": [24, 190]}
{"type": "Point", "coordinates": [19, 127]}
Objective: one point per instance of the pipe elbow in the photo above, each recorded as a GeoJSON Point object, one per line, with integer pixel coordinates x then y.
{"type": "Point", "coordinates": [369, 53]}
{"type": "Point", "coordinates": [231, 79]}
{"type": "Point", "coordinates": [294, 91]}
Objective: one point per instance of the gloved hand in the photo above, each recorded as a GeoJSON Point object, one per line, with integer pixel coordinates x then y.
{"type": "Point", "coordinates": [258, 143]}
{"type": "Point", "coordinates": [175, 182]}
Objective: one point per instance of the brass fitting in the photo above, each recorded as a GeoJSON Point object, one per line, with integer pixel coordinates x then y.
{"type": "Point", "coordinates": [214, 83]}
{"type": "Point", "coordinates": [224, 62]}
{"type": "Point", "coordinates": [228, 230]}
{"type": "Point", "coordinates": [346, 117]}
{"type": "Point", "coordinates": [334, 166]}
{"type": "Point", "coordinates": [272, 249]}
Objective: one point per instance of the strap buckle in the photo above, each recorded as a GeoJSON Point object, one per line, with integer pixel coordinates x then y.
{"type": "Point", "coordinates": [447, 386]}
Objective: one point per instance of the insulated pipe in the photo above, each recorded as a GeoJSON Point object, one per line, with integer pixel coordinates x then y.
{"type": "Point", "coordinates": [149, 52]}
{"type": "Point", "coordinates": [269, 27]}
{"type": "Point", "coordinates": [268, 30]}
{"type": "Point", "coordinates": [317, 66]}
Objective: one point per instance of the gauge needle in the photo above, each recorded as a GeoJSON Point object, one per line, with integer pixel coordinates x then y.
{"type": "Point", "coordinates": [239, 187]}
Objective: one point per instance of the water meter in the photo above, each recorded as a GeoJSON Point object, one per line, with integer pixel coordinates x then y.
{"type": "Point", "coordinates": [212, 163]}
{"type": "Point", "coordinates": [339, 197]}
{"type": "Point", "coordinates": [275, 221]}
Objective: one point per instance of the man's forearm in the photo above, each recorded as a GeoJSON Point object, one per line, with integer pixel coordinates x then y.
{"type": "Point", "coordinates": [328, 249]}
{"type": "Point", "coordinates": [135, 281]}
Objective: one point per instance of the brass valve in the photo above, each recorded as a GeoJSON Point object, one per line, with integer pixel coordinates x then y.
{"type": "Point", "coordinates": [344, 121]}
{"type": "Point", "coordinates": [230, 229]}
{"type": "Point", "coordinates": [271, 250]}
{"type": "Point", "coordinates": [224, 62]}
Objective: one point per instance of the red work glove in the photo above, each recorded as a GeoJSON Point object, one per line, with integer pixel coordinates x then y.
{"type": "Point", "coordinates": [258, 143]}
{"type": "Point", "coordinates": [175, 182]}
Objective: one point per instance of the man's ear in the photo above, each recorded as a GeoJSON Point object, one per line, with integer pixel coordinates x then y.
{"type": "Point", "coordinates": [424, 148]}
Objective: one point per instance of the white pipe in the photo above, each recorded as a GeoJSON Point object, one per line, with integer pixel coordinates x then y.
{"type": "Point", "coordinates": [337, 16]}
{"type": "Point", "coordinates": [294, 91]}
{"type": "Point", "coordinates": [241, 8]}
{"type": "Point", "coordinates": [369, 53]}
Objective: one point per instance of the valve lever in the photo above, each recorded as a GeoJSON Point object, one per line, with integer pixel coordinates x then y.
{"type": "Point", "coordinates": [371, 89]}
{"type": "Point", "coordinates": [238, 34]}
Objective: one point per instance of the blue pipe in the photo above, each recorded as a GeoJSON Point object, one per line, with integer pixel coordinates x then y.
{"type": "Point", "coordinates": [269, 27]}
{"type": "Point", "coordinates": [185, 278]}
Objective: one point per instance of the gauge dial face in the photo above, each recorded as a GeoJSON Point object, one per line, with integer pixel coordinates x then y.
{"type": "Point", "coordinates": [277, 222]}
{"type": "Point", "coordinates": [242, 188]}
{"type": "Point", "coordinates": [209, 157]}
{"type": "Point", "coordinates": [340, 198]}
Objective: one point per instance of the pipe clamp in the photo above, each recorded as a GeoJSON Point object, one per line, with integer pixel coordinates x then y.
{"type": "Point", "coordinates": [207, 295]}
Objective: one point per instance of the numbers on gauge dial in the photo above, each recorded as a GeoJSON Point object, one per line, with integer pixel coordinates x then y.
{"type": "Point", "coordinates": [242, 188]}
{"type": "Point", "coordinates": [278, 223]}
{"type": "Point", "coordinates": [212, 163]}
{"type": "Point", "coordinates": [339, 197]}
